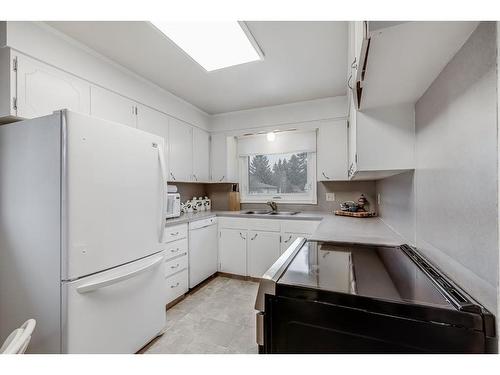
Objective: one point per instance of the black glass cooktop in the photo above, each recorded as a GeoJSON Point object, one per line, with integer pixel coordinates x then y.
{"type": "Point", "coordinates": [379, 272]}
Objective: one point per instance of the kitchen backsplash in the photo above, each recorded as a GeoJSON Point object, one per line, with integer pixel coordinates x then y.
{"type": "Point", "coordinates": [344, 191]}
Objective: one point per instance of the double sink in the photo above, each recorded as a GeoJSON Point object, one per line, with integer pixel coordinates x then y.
{"type": "Point", "coordinates": [263, 212]}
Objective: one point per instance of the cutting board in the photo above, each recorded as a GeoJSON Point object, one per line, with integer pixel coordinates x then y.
{"type": "Point", "coordinates": [355, 214]}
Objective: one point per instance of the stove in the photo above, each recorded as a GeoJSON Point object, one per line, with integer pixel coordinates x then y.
{"type": "Point", "coordinates": [330, 298]}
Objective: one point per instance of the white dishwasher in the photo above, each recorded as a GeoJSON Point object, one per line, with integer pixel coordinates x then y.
{"type": "Point", "coordinates": [202, 250]}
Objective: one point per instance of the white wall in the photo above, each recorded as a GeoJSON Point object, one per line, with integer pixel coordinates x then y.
{"type": "Point", "coordinates": [40, 41]}
{"type": "Point", "coordinates": [454, 217]}
{"type": "Point", "coordinates": [274, 117]}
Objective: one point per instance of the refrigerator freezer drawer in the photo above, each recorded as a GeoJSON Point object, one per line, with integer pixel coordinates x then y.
{"type": "Point", "coordinates": [115, 311]}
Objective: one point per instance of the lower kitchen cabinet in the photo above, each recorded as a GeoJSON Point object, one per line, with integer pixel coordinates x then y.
{"type": "Point", "coordinates": [288, 238]}
{"type": "Point", "coordinates": [233, 251]}
{"type": "Point", "coordinates": [263, 250]}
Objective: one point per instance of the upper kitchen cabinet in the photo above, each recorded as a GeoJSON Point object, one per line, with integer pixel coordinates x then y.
{"type": "Point", "coordinates": [107, 105]}
{"type": "Point", "coordinates": [223, 159]}
{"type": "Point", "coordinates": [155, 122]}
{"type": "Point", "coordinates": [357, 51]}
{"type": "Point", "coordinates": [332, 150]}
{"type": "Point", "coordinates": [32, 89]}
{"type": "Point", "coordinates": [180, 142]}
{"type": "Point", "coordinates": [201, 151]}
{"type": "Point", "coordinates": [381, 141]}
{"type": "Point", "coordinates": [399, 60]}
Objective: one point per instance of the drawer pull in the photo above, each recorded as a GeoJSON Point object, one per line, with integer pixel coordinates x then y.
{"type": "Point", "coordinates": [174, 251]}
{"type": "Point", "coordinates": [289, 238]}
{"type": "Point", "coordinates": [174, 234]}
{"type": "Point", "coordinates": [174, 286]}
{"type": "Point", "coordinates": [176, 266]}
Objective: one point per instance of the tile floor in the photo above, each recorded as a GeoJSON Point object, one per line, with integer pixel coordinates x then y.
{"type": "Point", "coordinates": [217, 318]}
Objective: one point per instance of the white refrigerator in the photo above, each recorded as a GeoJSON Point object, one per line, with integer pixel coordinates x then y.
{"type": "Point", "coordinates": [81, 221]}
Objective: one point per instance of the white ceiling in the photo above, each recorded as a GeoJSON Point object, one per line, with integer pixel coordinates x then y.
{"type": "Point", "coordinates": [303, 60]}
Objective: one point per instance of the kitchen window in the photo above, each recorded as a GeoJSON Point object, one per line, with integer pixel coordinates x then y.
{"type": "Point", "coordinates": [276, 171]}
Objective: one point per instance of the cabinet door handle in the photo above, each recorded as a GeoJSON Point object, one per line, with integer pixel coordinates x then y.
{"type": "Point", "coordinates": [325, 176]}
{"type": "Point", "coordinates": [254, 237]}
{"type": "Point", "coordinates": [354, 64]}
{"type": "Point", "coordinates": [242, 236]}
{"type": "Point", "coordinates": [349, 82]}
{"type": "Point", "coordinates": [289, 238]}
{"type": "Point", "coordinates": [222, 179]}
{"type": "Point", "coordinates": [174, 286]}
{"type": "Point", "coordinates": [174, 251]}
{"type": "Point", "coordinates": [195, 178]}
{"type": "Point", "coordinates": [172, 175]}
{"type": "Point", "coordinates": [176, 266]}
{"type": "Point", "coordinates": [174, 234]}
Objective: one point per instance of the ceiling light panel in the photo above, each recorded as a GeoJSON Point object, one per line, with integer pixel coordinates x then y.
{"type": "Point", "coordinates": [213, 45]}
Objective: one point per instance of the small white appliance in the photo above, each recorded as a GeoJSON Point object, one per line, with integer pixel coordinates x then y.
{"type": "Point", "coordinates": [82, 221]}
{"type": "Point", "coordinates": [173, 205]}
{"type": "Point", "coordinates": [203, 254]}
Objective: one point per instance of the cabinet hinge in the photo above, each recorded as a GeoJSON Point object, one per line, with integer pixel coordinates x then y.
{"type": "Point", "coordinates": [14, 64]}
{"type": "Point", "coordinates": [14, 103]}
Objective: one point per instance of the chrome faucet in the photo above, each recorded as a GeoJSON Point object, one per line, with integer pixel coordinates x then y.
{"type": "Point", "coordinates": [273, 205]}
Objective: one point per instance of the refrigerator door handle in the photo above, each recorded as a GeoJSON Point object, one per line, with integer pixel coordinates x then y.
{"type": "Point", "coordinates": [86, 288]}
{"type": "Point", "coordinates": [163, 169]}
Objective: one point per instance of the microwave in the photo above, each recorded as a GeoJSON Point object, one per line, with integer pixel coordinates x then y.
{"type": "Point", "coordinates": [173, 205]}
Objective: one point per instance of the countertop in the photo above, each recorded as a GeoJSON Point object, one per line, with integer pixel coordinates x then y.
{"type": "Point", "coordinates": [340, 229]}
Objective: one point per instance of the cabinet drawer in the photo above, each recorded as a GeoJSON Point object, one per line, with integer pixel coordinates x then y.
{"type": "Point", "coordinates": [175, 286]}
{"type": "Point", "coordinates": [176, 248]}
{"type": "Point", "coordinates": [267, 225]}
{"type": "Point", "coordinates": [300, 226]}
{"type": "Point", "coordinates": [233, 223]}
{"type": "Point", "coordinates": [175, 265]}
{"type": "Point", "coordinates": [175, 232]}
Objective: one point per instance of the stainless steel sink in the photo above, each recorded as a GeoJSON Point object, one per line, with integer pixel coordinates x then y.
{"type": "Point", "coordinates": [284, 213]}
{"type": "Point", "coordinates": [257, 212]}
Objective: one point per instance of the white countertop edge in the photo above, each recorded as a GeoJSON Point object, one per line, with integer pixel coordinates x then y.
{"type": "Point", "coordinates": [338, 229]}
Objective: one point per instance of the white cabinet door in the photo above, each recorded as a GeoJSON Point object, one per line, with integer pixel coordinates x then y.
{"type": "Point", "coordinates": [233, 251]}
{"type": "Point", "coordinates": [223, 159]}
{"type": "Point", "coordinates": [332, 150]}
{"type": "Point", "coordinates": [180, 150]}
{"type": "Point", "coordinates": [287, 239]}
{"type": "Point", "coordinates": [154, 122]}
{"type": "Point", "coordinates": [201, 155]}
{"type": "Point", "coordinates": [113, 107]}
{"type": "Point", "coordinates": [42, 89]}
{"type": "Point", "coordinates": [263, 250]}
{"type": "Point", "coordinates": [352, 136]}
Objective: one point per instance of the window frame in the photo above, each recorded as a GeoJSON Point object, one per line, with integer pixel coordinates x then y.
{"type": "Point", "coordinates": [284, 198]}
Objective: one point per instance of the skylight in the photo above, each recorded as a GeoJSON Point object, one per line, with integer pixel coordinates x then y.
{"type": "Point", "coordinates": [213, 45]}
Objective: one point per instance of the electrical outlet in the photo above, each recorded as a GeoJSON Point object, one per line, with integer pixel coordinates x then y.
{"type": "Point", "coordinates": [330, 197]}
{"type": "Point", "coordinates": [379, 198]}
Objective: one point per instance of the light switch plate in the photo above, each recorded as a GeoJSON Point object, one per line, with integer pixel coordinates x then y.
{"type": "Point", "coordinates": [330, 197]}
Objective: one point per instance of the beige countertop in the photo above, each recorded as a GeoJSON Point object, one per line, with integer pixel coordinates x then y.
{"type": "Point", "coordinates": [340, 229]}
